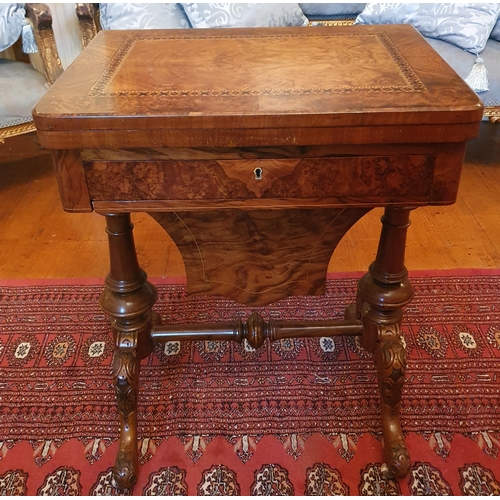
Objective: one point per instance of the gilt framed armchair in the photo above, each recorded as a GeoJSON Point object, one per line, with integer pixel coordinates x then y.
{"type": "Point", "coordinates": [29, 64]}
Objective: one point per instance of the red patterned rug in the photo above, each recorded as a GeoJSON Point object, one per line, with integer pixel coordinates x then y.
{"type": "Point", "coordinates": [296, 417]}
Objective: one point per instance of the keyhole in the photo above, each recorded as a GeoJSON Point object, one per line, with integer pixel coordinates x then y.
{"type": "Point", "coordinates": [258, 174]}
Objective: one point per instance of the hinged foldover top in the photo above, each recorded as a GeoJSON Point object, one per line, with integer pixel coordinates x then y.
{"type": "Point", "coordinates": [291, 86]}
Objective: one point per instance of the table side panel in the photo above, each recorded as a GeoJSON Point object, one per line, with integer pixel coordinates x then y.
{"type": "Point", "coordinates": [447, 171]}
{"type": "Point", "coordinates": [258, 256]}
{"type": "Point", "coordinates": [71, 180]}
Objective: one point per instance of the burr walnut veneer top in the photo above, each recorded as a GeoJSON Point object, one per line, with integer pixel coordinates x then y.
{"type": "Point", "coordinates": [248, 79]}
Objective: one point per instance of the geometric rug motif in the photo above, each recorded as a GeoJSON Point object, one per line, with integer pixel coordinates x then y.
{"type": "Point", "coordinates": [295, 417]}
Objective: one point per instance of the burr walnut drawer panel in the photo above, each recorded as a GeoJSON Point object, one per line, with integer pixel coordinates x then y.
{"type": "Point", "coordinates": [368, 177]}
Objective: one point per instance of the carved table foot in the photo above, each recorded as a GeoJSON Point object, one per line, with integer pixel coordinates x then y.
{"type": "Point", "coordinates": [390, 358]}
{"type": "Point", "coordinates": [126, 380]}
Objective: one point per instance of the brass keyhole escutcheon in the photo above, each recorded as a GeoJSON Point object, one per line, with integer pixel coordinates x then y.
{"type": "Point", "coordinates": [258, 174]}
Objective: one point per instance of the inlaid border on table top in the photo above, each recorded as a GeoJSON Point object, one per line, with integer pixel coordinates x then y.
{"type": "Point", "coordinates": [99, 89]}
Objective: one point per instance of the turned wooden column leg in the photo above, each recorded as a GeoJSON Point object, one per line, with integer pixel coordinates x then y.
{"type": "Point", "coordinates": [382, 294]}
{"type": "Point", "coordinates": [128, 299]}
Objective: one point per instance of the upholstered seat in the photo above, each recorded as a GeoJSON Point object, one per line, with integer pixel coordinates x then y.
{"type": "Point", "coordinates": [22, 85]}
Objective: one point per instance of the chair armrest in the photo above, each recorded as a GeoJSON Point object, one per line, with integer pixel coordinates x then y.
{"type": "Point", "coordinates": [88, 21]}
{"type": "Point", "coordinates": [41, 19]}
{"type": "Point", "coordinates": [87, 15]}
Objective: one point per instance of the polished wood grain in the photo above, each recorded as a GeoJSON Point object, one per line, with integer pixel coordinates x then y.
{"type": "Point", "coordinates": [255, 330]}
{"type": "Point", "coordinates": [346, 179]}
{"type": "Point", "coordinates": [259, 256]}
{"type": "Point", "coordinates": [70, 176]}
{"type": "Point", "coordinates": [259, 223]}
{"type": "Point", "coordinates": [368, 178]}
{"type": "Point", "coordinates": [231, 137]}
{"type": "Point", "coordinates": [285, 73]}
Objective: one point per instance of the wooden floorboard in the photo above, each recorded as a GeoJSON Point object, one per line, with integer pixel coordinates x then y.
{"type": "Point", "coordinates": [39, 240]}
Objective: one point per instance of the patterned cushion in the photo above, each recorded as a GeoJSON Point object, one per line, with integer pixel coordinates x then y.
{"type": "Point", "coordinates": [466, 25]}
{"type": "Point", "coordinates": [11, 23]}
{"type": "Point", "coordinates": [121, 16]}
{"type": "Point", "coordinates": [241, 15]}
{"type": "Point", "coordinates": [22, 87]}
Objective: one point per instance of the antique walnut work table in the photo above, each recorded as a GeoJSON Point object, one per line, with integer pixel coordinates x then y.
{"type": "Point", "coordinates": [257, 150]}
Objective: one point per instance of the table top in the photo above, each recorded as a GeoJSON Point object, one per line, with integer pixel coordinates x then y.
{"type": "Point", "coordinates": [352, 79]}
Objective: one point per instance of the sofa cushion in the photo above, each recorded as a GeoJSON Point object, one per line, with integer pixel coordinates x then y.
{"type": "Point", "coordinates": [461, 61]}
{"type": "Point", "coordinates": [11, 23]}
{"type": "Point", "coordinates": [121, 16]}
{"type": "Point", "coordinates": [495, 34]}
{"type": "Point", "coordinates": [22, 87]}
{"type": "Point", "coordinates": [244, 15]}
{"type": "Point", "coordinates": [465, 25]}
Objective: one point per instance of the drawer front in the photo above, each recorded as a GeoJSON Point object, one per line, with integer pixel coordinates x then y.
{"type": "Point", "coordinates": [367, 178]}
